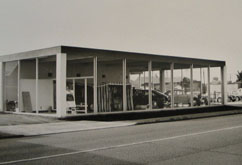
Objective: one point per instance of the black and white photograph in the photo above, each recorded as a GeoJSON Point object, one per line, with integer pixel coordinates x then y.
{"type": "Point", "coordinates": [114, 82]}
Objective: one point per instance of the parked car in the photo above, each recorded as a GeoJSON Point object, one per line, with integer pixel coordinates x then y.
{"type": "Point", "coordinates": [159, 99]}
{"type": "Point", "coordinates": [70, 101]}
{"type": "Point", "coordinates": [231, 98]}
{"type": "Point", "coordinates": [205, 100]}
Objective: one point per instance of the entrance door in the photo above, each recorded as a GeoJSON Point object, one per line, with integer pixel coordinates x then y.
{"type": "Point", "coordinates": [79, 95]}
{"type": "Point", "coordinates": [83, 93]}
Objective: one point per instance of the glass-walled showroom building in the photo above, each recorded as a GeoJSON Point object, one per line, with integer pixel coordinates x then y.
{"type": "Point", "coordinates": [65, 81]}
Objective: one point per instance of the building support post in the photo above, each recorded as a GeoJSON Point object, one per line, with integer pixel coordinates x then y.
{"type": "Point", "coordinates": [144, 80]}
{"type": "Point", "coordinates": [201, 84]}
{"type": "Point", "coordinates": [209, 95]}
{"type": "Point", "coordinates": [182, 87]}
{"type": "Point", "coordinates": [61, 84]}
{"type": "Point", "coordinates": [139, 81]}
{"type": "Point", "coordinates": [85, 92]}
{"type": "Point", "coordinates": [191, 85]}
{"type": "Point", "coordinates": [162, 80]}
{"type": "Point", "coordinates": [152, 81]}
{"type": "Point", "coordinates": [150, 85]}
{"type": "Point", "coordinates": [172, 85]}
{"type": "Point", "coordinates": [95, 84]}
{"type": "Point", "coordinates": [224, 84]}
{"type": "Point", "coordinates": [124, 86]}
{"type": "Point", "coordinates": [19, 87]}
{"type": "Point", "coordinates": [74, 86]}
{"type": "Point", "coordinates": [37, 86]}
{"type": "Point", "coordinates": [2, 86]}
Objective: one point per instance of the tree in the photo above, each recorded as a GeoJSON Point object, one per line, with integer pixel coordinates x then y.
{"type": "Point", "coordinates": [239, 78]}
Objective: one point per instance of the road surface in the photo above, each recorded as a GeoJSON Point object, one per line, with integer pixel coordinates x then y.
{"type": "Point", "coordinates": [215, 140]}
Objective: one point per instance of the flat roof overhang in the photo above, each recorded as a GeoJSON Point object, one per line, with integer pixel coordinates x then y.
{"type": "Point", "coordinates": [75, 53]}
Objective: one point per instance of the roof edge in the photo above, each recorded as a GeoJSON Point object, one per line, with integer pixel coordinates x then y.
{"type": "Point", "coordinates": [31, 54]}
{"type": "Point", "coordinates": [139, 53]}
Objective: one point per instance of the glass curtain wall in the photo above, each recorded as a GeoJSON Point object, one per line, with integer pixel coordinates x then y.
{"type": "Point", "coordinates": [205, 87]}
{"type": "Point", "coordinates": [110, 85]}
{"type": "Point", "coordinates": [181, 98]}
{"type": "Point", "coordinates": [197, 86]}
{"type": "Point", "coordinates": [182, 85]}
{"type": "Point", "coordinates": [11, 86]}
{"type": "Point", "coordinates": [79, 86]}
{"type": "Point", "coordinates": [160, 93]}
{"type": "Point", "coordinates": [215, 86]}
{"type": "Point", "coordinates": [27, 86]}
{"type": "Point", "coordinates": [137, 85]}
{"type": "Point", "coordinates": [168, 85]}
{"type": "Point", "coordinates": [46, 103]}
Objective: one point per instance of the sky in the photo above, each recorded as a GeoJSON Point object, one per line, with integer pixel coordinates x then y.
{"type": "Point", "coordinates": [209, 29]}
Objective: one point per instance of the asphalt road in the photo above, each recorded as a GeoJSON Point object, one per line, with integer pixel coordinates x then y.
{"type": "Point", "coordinates": [215, 140]}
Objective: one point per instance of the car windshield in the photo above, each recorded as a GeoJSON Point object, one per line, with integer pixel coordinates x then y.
{"type": "Point", "coordinates": [159, 93]}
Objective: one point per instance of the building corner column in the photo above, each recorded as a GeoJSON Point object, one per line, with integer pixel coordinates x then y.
{"type": "Point", "coordinates": [19, 109]}
{"type": "Point", "coordinates": [61, 84]}
{"type": "Point", "coordinates": [2, 86]}
{"type": "Point", "coordinates": [37, 86]}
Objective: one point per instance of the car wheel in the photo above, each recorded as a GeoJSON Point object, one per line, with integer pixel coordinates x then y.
{"type": "Point", "coordinates": [229, 99]}
{"type": "Point", "coordinates": [219, 100]}
{"type": "Point", "coordinates": [154, 104]}
{"type": "Point", "coordinates": [237, 98]}
{"type": "Point", "coordinates": [161, 104]}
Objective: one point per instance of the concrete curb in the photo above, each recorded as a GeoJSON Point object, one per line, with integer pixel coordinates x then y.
{"type": "Point", "coordinates": [188, 117]}
{"type": "Point", "coordinates": [8, 136]}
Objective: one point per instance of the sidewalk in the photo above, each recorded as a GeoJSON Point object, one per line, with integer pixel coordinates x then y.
{"type": "Point", "coordinates": [60, 127]}
{"type": "Point", "coordinates": [13, 125]}
{"type": "Point", "coordinates": [17, 119]}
